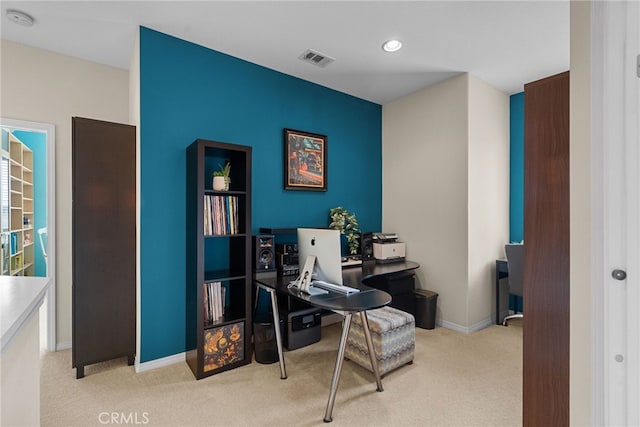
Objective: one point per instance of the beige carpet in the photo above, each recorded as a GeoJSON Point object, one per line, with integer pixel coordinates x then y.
{"type": "Point", "coordinates": [456, 380]}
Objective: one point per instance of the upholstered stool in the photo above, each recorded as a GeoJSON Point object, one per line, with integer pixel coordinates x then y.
{"type": "Point", "coordinates": [393, 336]}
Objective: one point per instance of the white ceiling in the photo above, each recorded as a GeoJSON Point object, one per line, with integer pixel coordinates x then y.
{"type": "Point", "coordinates": [505, 43]}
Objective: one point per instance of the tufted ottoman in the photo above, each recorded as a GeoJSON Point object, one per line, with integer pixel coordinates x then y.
{"type": "Point", "coordinates": [393, 336]}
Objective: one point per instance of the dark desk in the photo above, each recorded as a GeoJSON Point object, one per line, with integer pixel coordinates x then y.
{"type": "Point", "coordinates": [345, 305]}
{"type": "Point", "coordinates": [502, 272]}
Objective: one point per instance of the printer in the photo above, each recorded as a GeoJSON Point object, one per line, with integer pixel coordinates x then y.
{"type": "Point", "coordinates": [387, 248]}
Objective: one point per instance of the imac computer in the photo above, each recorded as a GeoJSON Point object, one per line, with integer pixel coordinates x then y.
{"type": "Point", "coordinates": [319, 253]}
{"type": "Point", "coordinates": [325, 245]}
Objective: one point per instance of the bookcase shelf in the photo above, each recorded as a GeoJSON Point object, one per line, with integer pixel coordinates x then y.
{"type": "Point", "coordinates": [210, 276]}
{"type": "Point", "coordinates": [225, 193]}
{"type": "Point", "coordinates": [218, 260]}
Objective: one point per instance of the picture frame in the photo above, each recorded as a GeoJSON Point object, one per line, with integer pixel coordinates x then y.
{"type": "Point", "coordinates": [305, 161]}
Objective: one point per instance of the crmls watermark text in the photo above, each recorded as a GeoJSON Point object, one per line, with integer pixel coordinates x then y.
{"type": "Point", "coordinates": [123, 418]}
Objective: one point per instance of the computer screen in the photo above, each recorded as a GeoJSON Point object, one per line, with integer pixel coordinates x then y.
{"type": "Point", "coordinates": [325, 245]}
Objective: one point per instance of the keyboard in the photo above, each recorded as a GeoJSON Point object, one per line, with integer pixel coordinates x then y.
{"type": "Point", "coordinates": [335, 288]}
{"type": "Point", "coordinates": [351, 263]}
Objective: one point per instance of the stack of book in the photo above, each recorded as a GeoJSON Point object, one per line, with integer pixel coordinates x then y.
{"type": "Point", "coordinates": [220, 215]}
{"type": "Point", "coordinates": [214, 296]}
{"type": "Point", "coordinates": [15, 248]}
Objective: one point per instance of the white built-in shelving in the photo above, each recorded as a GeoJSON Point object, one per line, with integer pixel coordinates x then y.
{"type": "Point", "coordinates": [17, 209]}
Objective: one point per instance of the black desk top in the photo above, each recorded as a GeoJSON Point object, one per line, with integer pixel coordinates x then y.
{"type": "Point", "coordinates": [367, 299]}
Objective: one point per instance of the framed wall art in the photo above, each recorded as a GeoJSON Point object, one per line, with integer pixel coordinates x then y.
{"type": "Point", "coordinates": [305, 161]}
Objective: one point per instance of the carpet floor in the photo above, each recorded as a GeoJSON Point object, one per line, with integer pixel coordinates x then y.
{"type": "Point", "coordinates": [455, 380]}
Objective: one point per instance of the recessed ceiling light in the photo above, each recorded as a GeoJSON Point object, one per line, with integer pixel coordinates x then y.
{"type": "Point", "coordinates": [20, 18]}
{"type": "Point", "coordinates": [392, 45]}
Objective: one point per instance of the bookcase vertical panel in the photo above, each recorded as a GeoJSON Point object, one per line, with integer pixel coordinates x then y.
{"type": "Point", "coordinates": [218, 263]}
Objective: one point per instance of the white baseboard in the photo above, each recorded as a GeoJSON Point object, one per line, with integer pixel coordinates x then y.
{"type": "Point", "coordinates": [159, 363]}
{"type": "Point", "coordinates": [63, 346]}
{"type": "Point", "coordinates": [141, 367]}
{"type": "Point", "coordinates": [466, 329]}
{"type": "Point", "coordinates": [482, 324]}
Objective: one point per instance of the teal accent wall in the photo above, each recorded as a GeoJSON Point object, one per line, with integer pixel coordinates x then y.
{"type": "Point", "coordinates": [516, 176]}
{"type": "Point", "coordinates": [516, 165]}
{"type": "Point", "coordinates": [189, 92]}
{"type": "Point", "coordinates": [37, 143]}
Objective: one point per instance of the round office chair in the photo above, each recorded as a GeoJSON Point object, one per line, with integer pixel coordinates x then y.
{"type": "Point", "coordinates": [515, 261]}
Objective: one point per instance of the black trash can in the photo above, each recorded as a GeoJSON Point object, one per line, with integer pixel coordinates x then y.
{"type": "Point", "coordinates": [426, 302]}
{"type": "Point", "coordinates": [264, 341]}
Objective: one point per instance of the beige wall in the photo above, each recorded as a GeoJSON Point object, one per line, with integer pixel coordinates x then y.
{"type": "Point", "coordinates": [488, 194]}
{"type": "Point", "coordinates": [42, 86]}
{"type": "Point", "coordinates": [434, 184]}
{"type": "Point", "coordinates": [424, 187]}
{"type": "Point", "coordinates": [580, 210]}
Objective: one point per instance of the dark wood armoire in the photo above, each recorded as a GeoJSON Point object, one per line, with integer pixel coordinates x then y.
{"type": "Point", "coordinates": [104, 242]}
{"type": "Point", "coordinates": [546, 253]}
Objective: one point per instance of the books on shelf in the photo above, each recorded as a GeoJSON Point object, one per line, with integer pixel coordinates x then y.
{"type": "Point", "coordinates": [15, 248]}
{"type": "Point", "coordinates": [16, 262]}
{"type": "Point", "coordinates": [214, 298]}
{"type": "Point", "coordinates": [220, 215]}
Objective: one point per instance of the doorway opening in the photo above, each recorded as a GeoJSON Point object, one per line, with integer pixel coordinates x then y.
{"type": "Point", "coordinates": [28, 210]}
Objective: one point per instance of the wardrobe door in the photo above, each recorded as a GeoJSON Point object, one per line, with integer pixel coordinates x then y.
{"type": "Point", "coordinates": [104, 242]}
{"type": "Point", "coordinates": [546, 253]}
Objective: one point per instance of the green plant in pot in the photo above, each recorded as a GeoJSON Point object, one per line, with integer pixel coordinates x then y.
{"type": "Point", "coordinates": [221, 177]}
{"type": "Point", "coordinates": [347, 223]}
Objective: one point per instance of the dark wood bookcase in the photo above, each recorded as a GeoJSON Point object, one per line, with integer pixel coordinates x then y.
{"type": "Point", "coordinates": [103, 242]}
{"type": "Point", "coordinates": [217, 340]}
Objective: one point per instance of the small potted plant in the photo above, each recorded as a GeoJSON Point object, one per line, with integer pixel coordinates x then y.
{"type": "Point", "coordinates": [221, 177]}
{"type": "Point", "coordinates": [347, 223]}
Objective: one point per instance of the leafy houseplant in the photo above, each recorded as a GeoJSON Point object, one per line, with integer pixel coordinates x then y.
{"type": "Point", "coordinates": [223, 178]}
{"type": "Point", "coordinates": [347, 223]}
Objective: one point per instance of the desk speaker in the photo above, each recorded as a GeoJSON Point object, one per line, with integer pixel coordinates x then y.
{"type": "Point", "coordinates": [366, 245]}
{"type": "Point", "coordinates": [264, 257]}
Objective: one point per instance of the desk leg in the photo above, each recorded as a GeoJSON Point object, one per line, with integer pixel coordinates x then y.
{"type": "Point", "coordinates": [276, 325]}
{"type": "Point", "coordinates": [498, 321]}
{"type": "Point", "coordinates": [338, 368]}
{"type": "Point", "coordinates": [372, 356]}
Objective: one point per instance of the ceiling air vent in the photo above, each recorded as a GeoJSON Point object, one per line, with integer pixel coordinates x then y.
{"type": "Point", "coordinates": [316, 58]}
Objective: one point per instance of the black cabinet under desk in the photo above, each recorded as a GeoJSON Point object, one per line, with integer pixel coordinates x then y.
{"type": "Point", "coordinates": [400, 286]}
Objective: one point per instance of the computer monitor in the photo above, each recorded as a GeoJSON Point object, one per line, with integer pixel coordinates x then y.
{"type": "Point", "coordinates": [325, 245]}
